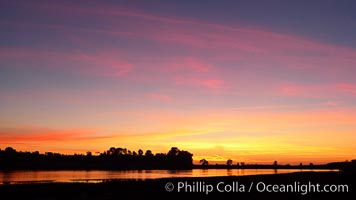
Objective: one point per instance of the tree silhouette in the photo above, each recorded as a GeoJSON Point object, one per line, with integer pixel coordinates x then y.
{"type": "Point", "coordinates": [10, 150]}
{"type": "Point", "coordinates": [140, 152]}
{"type": "Point", "coordinates": [229, 162]}
{"type": "Point", "coordinates": [173, 152]}
{"type": "Point", "coordinates": [179, 158]}
{"type": "Point", "coordinates": [204, 162]}
{"type": "Point", "coordinates": [242, 164]}
{"type": "Point", "coordinates": [111, 151]}
{"type": "Point", "coordinates": [275, 164]}
{"type": "Point", "coordinates": [148, 153]}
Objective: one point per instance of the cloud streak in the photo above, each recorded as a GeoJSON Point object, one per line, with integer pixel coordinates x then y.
{"type": "Point", "coordinates": [32, 134]}
{"type": "Point", "coordinates": [102, 64]}
{"type": "Point", "coordinates": [318, 90]}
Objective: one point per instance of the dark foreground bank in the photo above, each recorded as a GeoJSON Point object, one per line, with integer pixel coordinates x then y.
{"type": "Point", "coordinates": [281, 186]}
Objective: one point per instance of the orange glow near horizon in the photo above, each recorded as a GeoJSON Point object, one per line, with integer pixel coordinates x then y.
{"type": "Point", "coordinates": [250, 137]}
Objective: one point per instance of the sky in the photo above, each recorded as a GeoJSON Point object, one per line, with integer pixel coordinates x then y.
{"type": "Point", "coordinates": [251, 81]}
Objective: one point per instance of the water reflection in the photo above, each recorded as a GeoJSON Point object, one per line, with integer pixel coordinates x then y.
{"type": "Point", "coordinates": [14, 177]}
{"type": "Point", "coordinates": [229, 172]}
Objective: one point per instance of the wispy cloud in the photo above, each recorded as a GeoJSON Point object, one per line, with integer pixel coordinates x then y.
{"type": "Point", "coordinates": [214, 84]}
{"type": "Point", "coordinates": [160, 97]}
{"type": "Point", "coordinates": [257, 49]}
{"type": "Point", "coordinates": [336, 90]}
{"type": "Point", "coordinates": [348, 88]}
{"type": "Point", "coordinates": [104, 63]}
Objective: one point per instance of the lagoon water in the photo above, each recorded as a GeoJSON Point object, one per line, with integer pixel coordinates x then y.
{"type": "Point", "coordinates": [93, 176]}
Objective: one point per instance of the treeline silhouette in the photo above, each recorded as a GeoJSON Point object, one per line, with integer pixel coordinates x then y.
{"type": "Point", "coordinates": [344, 166]}
{"type": "Point", "coordinates": [112, 159]}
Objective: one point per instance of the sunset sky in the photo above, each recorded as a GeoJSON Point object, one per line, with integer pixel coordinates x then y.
{"type": "Point", "coordinates": [252, 81]}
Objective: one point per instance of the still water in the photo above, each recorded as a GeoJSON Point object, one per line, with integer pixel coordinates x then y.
{"type": "Point", "coordinates": [18, 177]}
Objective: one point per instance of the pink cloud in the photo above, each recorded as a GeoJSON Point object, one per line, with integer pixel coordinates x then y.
{"type": "Point", "coordinates": [160, 97]}
{"type": "Point", "coordinates": [250, 45]}
{"type": "Point", "coordinates": [264, 107]}
{"type": "Point", "coordinates": [107, 63]}
{"type": "Point", "coordinates": [192, 72]}
{"type": "Point", "coordinates": [348, 88]}
{"type": "Point", "coordinates": [197, 65]}
{"type": "Point", "coordinates": [308, 91]}
{"type": "Point", "coordinates": [193, 31]}
{"type": "Point", "coordinates": [333, 103]}
{"type": "Point", "coordinates": [293, 90]}
{"type": "Point", "coordinates": [254, 49]}
{"type": "Point", "coordinates": [184, 64]}
{"type": "Point", "coordinates": [101, 63]}
{"type": "Point", "coordinates": [214, 84]}
{"type": "Point", "coordinates": [318, 90]}
{"type": "Point", "coordinates": [253, 46]}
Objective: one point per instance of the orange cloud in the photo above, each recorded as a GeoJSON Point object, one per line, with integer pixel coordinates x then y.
{"type": "Point", "coordinates": [31, 134]}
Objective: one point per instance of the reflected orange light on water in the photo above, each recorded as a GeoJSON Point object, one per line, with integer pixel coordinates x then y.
{"type": "Point", "coordinates": [96, 176]}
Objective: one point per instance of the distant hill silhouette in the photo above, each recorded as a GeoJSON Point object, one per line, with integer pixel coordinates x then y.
{"type": "Point", "coordinates": [114, 158]}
